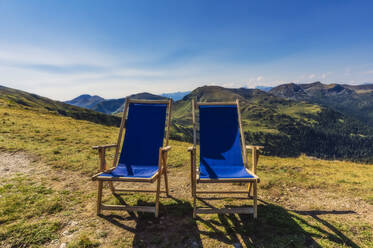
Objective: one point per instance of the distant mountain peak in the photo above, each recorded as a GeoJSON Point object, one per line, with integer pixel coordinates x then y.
{"type": "Point", "coordinates": [176, 96]}
{"type": "Point", "coordinates": [264, 88]}
{"type": "Point", "coordinates": [85, 101]}
{"type": "Point", "coordinates": [108, 106]}
{"type": "Point", "coordinates": [290, 91]}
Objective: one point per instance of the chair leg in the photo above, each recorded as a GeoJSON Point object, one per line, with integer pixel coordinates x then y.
{"type": "Point", "coordinates": [112, 188]}
{"type": "Point", "coordinates": [194, 193]}
{"type": "Point", "coordinates": [255, 198]}
{"type": "Point", "coordinates": [99, 197]}
{"type": "Point", "coordinates": [191, 173]}
{"type": "Point", "coordinates": [250, 187]}
{"type": "Point", "coordinates": [194, 206]}
{"type": "Point", "coordinates": [157, 197]}
{"type": "Point", "coordinates": [166, 182]}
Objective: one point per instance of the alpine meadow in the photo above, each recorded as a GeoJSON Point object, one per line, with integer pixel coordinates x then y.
{"type": "Point", "coordinates": [47, 162]}
{"type": "Point", "coordinates": [186, 124]}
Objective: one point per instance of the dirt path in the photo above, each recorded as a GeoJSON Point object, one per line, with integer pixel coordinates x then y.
{"type": "Point", "coordinates": [18, 164]}
{"type": "Point", "coordinates": [12, 164]}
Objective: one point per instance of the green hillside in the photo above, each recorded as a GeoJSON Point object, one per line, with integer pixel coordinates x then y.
{"type": "Point", "coordinates": [12, 98]}
{"type": "Point", "coordinates": [284, 127]}
{"type": "Point", "coordinates": [47, 198]}
{"type": "Point", "coordinates": [352, 100]}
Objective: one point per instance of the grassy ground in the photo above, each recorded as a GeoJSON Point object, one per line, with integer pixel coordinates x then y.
{"type": "Point", "coordinates": [47, 199]}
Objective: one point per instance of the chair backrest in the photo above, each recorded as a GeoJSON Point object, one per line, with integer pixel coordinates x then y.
{"type": "Point", "coordinates": [145, 129]}
{"type": "Point", "coordinates": [220, 143]}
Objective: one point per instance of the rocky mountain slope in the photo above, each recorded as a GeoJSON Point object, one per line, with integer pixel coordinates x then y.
{"type": "Point", "coordinates": [352, 100]}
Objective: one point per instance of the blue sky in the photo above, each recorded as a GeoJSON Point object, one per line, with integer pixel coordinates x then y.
{"type": "Point", "coordinates": [61, 49]}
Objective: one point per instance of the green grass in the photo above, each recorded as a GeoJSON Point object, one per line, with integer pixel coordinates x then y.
{"type": "Point", "coordinates": [25, 234]}
{"type": "Point", "coordinates": [34, 210]}
{"type": "Point", "coordinates": [83, 241]}
{"type": "Point", "coordinates": [21, 194]}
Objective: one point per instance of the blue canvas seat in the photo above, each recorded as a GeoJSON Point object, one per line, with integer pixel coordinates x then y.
{"type": "Point", "coordinates": [142, 157]}
{"type": "Point", "coordinates": [216, 172]}
{"type": "Point", "coordinates": [144, 136]}
{"type": "Point", "coordinates": [222, 153]}
{"type": "Point", "coordinates": [221, 150]}
{"type": "Point", "coordinates": [139, 171]}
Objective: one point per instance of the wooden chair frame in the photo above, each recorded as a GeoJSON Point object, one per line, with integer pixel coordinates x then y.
{"type": "Point", "coordinates": [162, 167]}
{"type": "Point", "coordinates": [195, 179]}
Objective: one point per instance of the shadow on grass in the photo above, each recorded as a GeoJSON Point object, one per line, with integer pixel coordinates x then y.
{"type": "Point", "coordinates": [174, 228]}
{"type": "Point", "coordinates": [275, 227]}
{"type": "Point", "coordinates": [338, 237]}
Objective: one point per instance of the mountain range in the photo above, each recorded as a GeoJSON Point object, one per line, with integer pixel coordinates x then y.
{"type": "Point", "coordinates": [108, 106]}
{"type": "Point", "coordinates": [86, 101]}
{"type": "Point", "coordinates": [285, 127]}
{"type": "Point", "coordinates": [353, 100]}
{"type": "Point", "coordinates": [289, 120]}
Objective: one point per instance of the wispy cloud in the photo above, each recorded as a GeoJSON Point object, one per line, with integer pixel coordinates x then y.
{"type": "Point", "coordinates": [312, 76]}
{"type": "Point", "coordinates": [67, 72]}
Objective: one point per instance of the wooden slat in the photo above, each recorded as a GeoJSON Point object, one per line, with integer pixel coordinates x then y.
{"type": "Point", "coordinates": [127, 179]}
{"type": "Point", "coordinates": [138, 190]}
{"type": "Point", "coordinates": [253, 146]}
{"type": "Point", "coordinates": [194, 123]}
{"type": "Point", "coordinates": [193, 159]}
{"type": "Point", "coordinates": [165, 171]}
{"type": "Point", "coordinates": [99, 198]}
{"type": "Point", "coordinates": [253, 174]}
{"type": "Point", "coordinates": [120, 133]}
{"type": "Point", "coordinates": [148, 101]}
{"type": "Point", "coordinates": [255, 198]}
{"type": "Point", "coordinates": [215, 103]}
{"type": "Point", "coordinates": [191, 149]}
{"type": "Point", "coordinates": [254, 159]}
{"type": "Point", "coordinates": [228, 180]}
{"type": "Point", "coordinates": [150, 209]}
{"type": "Point", "coordinates": [243, 149]}
{"type": "Point", "coordinates": [248, 210]}
{"type": "Point", "coordinates": [193, 153]}
{"type": "Point", "coordinates": [168, 120]}
{"type": "Point", "coordinates": [223, 192]}
{"type": "Point", "coordinates": [166, 148]}
{"type": "Point", "coordinates": [104, 146]}
{"type": "Point", "coordinates": [160, 166]}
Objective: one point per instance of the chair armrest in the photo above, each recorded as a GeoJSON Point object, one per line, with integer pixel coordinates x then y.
{"type": "Point", "coordinates": [255, 156]}
{"type": "Point", "coordinates": [104, 146]}
{"type": "Point", "coordinates": [254, 147]}
{"type": "Point", "coordinates": [191, 149]}
{"type": "Point", "coordinates": [166, 148]}
{"type": "Point", "coordinates": [101, 154]}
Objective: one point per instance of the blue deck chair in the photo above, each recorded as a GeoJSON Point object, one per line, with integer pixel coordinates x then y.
{"type": "Point", "coordinates": [142, 157]}
{"type": "Point", "coordinates": [222, 154]}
